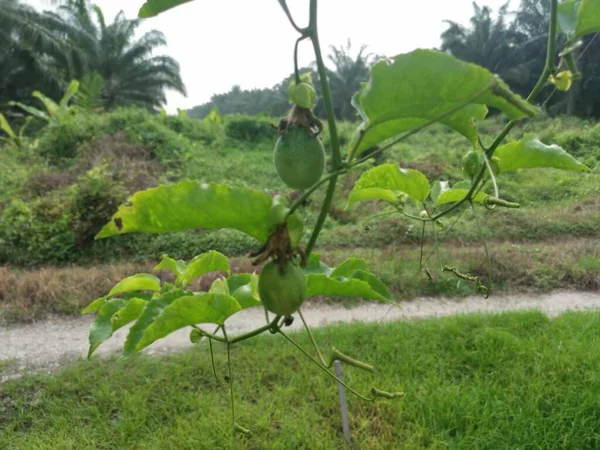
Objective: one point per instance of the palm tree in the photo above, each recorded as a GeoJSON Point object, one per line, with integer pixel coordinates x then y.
{"type": "Point", "coordinates": [29, 53]}
{"type": "Point", "coordinates": [346, 77]}
{"type": "Point", "coordinates": [131, 74]}
{"type": "Point", "coordinates": [487, 43]}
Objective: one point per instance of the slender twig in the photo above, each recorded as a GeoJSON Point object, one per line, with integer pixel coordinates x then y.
{"type": "Point", "coordinates": [212, 360]}
{"type": "Point", "coordinates": [287, 12]}
{"type": "Point", "coordinates": [323, 368]}
{"type": "Point", "coordinates": [312, 189]}
{"type": "Point", "coordinates": [336, 157]}
{"type": "Point", "coordinates": [422, 244]}
{"type": "Point", "coordinates": [296, 68]}
{"type": "Point", "coordinates": [242, 337]}
{"type": "Point", "coordinates": [230, 383]}
{"type": "Point", "coordinates": [485, 247]}
{"type": "Point", "coordinates": [311, 338]}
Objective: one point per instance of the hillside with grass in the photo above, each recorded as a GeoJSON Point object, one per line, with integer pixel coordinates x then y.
{"type": "Point", "coordinates": [66, 182]}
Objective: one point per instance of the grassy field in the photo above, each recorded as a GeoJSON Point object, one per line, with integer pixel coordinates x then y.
{"type": "Point", "coordinates": [51, 205]}
{"type": "Point", "coordinates": [507, 381]}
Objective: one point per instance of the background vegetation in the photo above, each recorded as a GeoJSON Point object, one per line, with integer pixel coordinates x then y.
{"type": "Point", "coordinates": [67, 173]}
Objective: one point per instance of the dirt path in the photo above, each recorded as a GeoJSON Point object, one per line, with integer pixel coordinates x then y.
{"type": "Point", "coordinates": [50, 343]}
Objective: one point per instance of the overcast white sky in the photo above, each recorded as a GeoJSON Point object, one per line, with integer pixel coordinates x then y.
{"type": "Point", "coordinates": [220, 43]}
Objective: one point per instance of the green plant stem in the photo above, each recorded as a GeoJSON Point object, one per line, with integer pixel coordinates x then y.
{"type": "Point", "coordinates": [322, 215]}
{"type": "Point", "coordinates": [230, 383]}
{"type": "Point", "coordinates": [336, 157]}
{"type": "Point", "coordinates": [296, 68]}
{"type": "Point", "coordinates": [548, 68]}
{"type": "Point", "coordinates": [323, 368]}
{"type": "Point", "coordinates": [312, 339]}
{"type": "Point", "coordinates": [312, 189]}
{"type": "Point", "coordinates": [327, 99]}
{"type": "Point", "coordinates": [242, 337]}
{"type": "Point", "coordinates": [550, 52]}
{"type": "Point", "coordinates": [212, 360]}
{"type": "Point", "coordinates": [287, 12]}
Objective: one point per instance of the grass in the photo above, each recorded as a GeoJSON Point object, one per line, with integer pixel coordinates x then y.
{"type": "Point", "coordinates": [512, 380]}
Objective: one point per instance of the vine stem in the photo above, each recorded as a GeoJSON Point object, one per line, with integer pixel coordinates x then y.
{"type": "Point", "coordinates": [270, 326]}
{"type": "Point", "coordinates": [296, 67]}
{"type": "Point", "coordinates": [336, 157]}
{"type": "Point", "coordinates": [324, 369]}
{"type": "Point", "coordinates": [312, 339]}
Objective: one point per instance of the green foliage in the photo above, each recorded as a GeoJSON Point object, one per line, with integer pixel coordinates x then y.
{"type": "Point", "coordinates": [350, 279]}
{"type": "Point", "coordinates": [157, 210]}
{"type": "Point", "coordinates": [161, 316]}
{"type": "Point", "coordinates": [430, 91]}
{"type": "Point", "coordinates": [133, 74]}
{"type": "Point", "coordinates": [16, 140]}
{"type": "Point", "coordinates": [113, 315]}
{"type": "Point", "coordinates": [53, 113]}
{"type": "Point", "coordinates": [249, 128]}
{"type": "Point", "coordinates": [94, 200]}
{"type": "Point", "coordinates": [207, 262]}
{"type": "Point", "coordinates": [389, 182]}
{"type": "Point", "coordinates": [532, 153]}
{"type": "Point", "coordinates": [36, 232]}
{"type": "Point", "coordinates": [91, 91]}
{"type": "Point", "coordinates": [588, 18]}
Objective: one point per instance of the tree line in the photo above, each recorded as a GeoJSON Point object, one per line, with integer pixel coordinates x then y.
{"type": "Point", "coordinates": [511, 44]}
{"type": "Point", "coordinates": [44, 51]}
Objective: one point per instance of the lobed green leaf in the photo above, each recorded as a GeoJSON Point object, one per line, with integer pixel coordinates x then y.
{"type": "Point", "coordinates": [191, 205]}
{"type": "Point", "coordinates": [567, 16]}
{"type": "Point", "coordinates": [437, 188]}
{"type": "Point", "coordinates": [315, 265]}
{"type": "Point", "coordinates": [211, 261]}
{"type": "Point", "coordinates": [152, 310]}
{"type": "Point", "coordinates": [243, 287]}
{"type": "Point", "coordinates": [384, 181]}
{"type": "Point", "coordinates": [175, 267]}
{"type": "Point", "coordinates": [348, 267]}
{"type": "Point", "coordinates": [456, 195]}
{"type": "Point", "coordinates": [320, 284]}
{"type": "Point", "coordinates": [137, 282]}
{"type": "Point", "coordinates": [532, 153]}
{"type": "Point", "coordinates": [185, 311]}
{"type": "Point", "coordinates": [349, 279]}
{"type": "Point", "coordinates": [588, 18]}
{"type": "Point", "coordinates": [114, 314]}
{"type": "Point", "coordinates": [419, 87]}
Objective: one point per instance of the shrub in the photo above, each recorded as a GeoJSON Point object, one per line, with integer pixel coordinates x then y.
{"type": "Point", "coordinates": [60, 143]}
{"type": "Point", "coordinates": [96, 198]}
{"type": "Point", "coordinates": [249, 128]}
{"type": "Point", "coordinates": [35, 233]}
{"type": "Point", "coordinates": [193, 129]}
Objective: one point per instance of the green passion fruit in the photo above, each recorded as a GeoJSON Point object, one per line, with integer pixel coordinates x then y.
{"type": "Point", "coordinates": [282, 294]}
{"type": "Point", "coordinates": [299, 158]}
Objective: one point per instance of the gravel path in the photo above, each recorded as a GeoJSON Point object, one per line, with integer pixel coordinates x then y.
{"type": "Point", "coordinates": [50, 343]}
